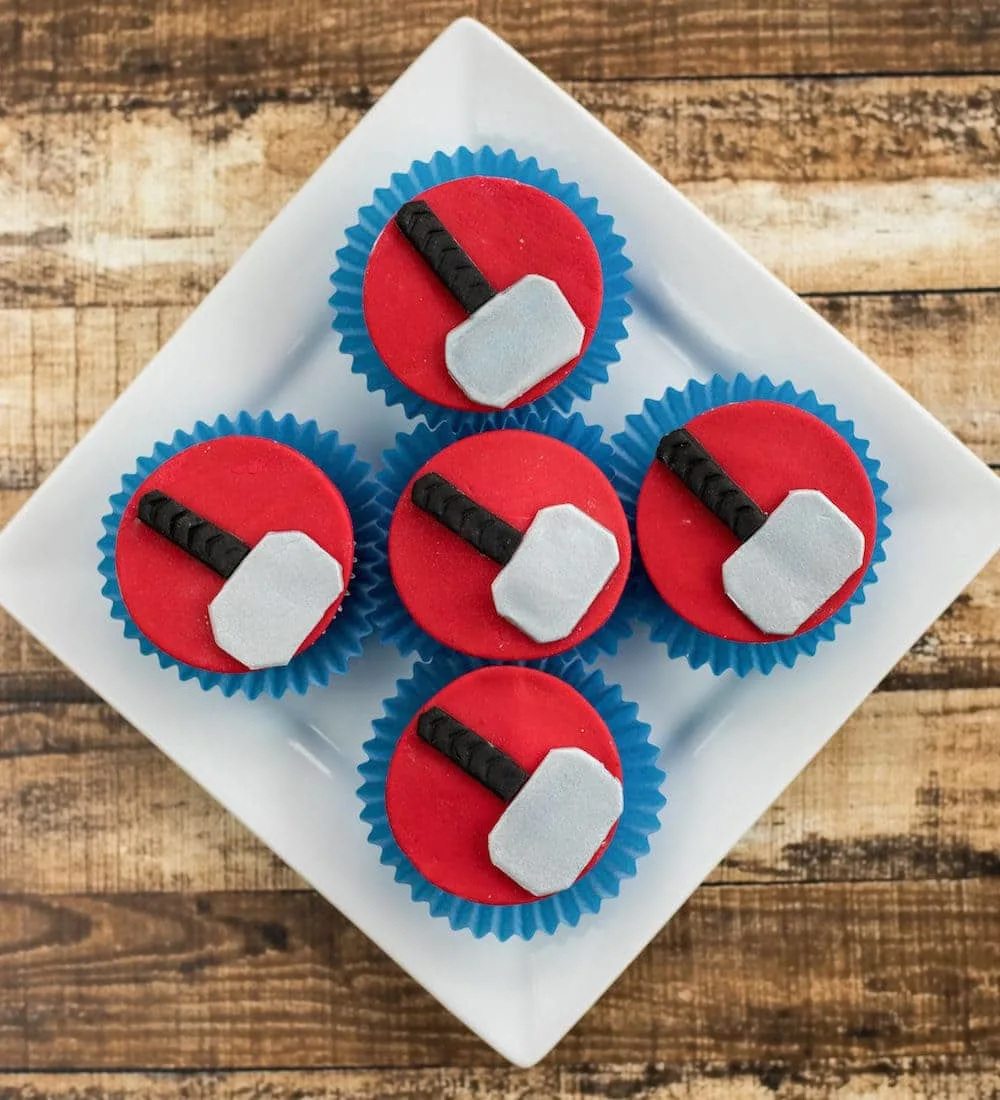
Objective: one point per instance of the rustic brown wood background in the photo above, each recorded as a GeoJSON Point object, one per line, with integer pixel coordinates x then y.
{"type": "Point", "coordinates": [850, 945]}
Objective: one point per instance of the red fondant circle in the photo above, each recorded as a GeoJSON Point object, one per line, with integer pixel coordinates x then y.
{"type": "Point", "coordinates": [441, 817]}
{"type": "Point", "coordinates": [509, 229]}
{"type": "Point", "coordinates": [248, 486]}
{"type": "Point", "coordinates": [768, 448]}
{"type": "Point", "coordinates": [445, 583]}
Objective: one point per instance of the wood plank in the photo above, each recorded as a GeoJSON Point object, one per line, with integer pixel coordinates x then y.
{"type": "Point", "coordinates": [58, 50]}
{"type": "Point", "coordinates": [939, 346]}
{"type": "Point", "coordinates": [11, 500]}
{"type": "Point", "coordinates": [857, 973]}
{"type": "Point", "coordinates": [60, 368]}
{"type": "Point", "coordinates": [889, 1079]}
{"type": "Point", "coordinates": [59, 371]}
{"type": "Point", "coordinates": [960, 650]}
{"type": "Point", "coordinates": [31, 674]}
{"type": "Point", "coordinates": [91, 806]}
{"type": "Point", "coordinates": [909, 789]}
{"type": "Point", "coordinates": [870, 185]}
{"type": "Point", "coordinates": [63, 729]}
{"type": "Point", "coordinates": [805, 130]}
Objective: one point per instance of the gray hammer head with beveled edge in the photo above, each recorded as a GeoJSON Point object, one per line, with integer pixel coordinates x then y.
{"type": "Point", "coordinates": [514, 338]}
{"type": "Point", "coordinates": [561, 566]}
{"type": "Point", "coordinates": [276, 593]}
{"type": "Point", "coordinates": [557, 823]}
{"type": "Point", "coordinates": [275, 599]}
{"type": "Point", "coordinates": [797, 561]}
{"type": "Point", "coordinates": [556, 818]}
{"type": "Point", "coordinates": [551, 574]}
{"type": "Point", "coordinates": [792, 561]}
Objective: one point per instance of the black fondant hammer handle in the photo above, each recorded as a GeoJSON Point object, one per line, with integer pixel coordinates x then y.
{"type": "Point", "coordinates": [472, 753]}
{"type": "Point", "coordinates": [487, 532]}
{"type": "Point", "coordinates": [683, 455]}
{"type": "Point", "coordinates": [212, 546]}
{"type": "Point", "coordinates": [444, 255]}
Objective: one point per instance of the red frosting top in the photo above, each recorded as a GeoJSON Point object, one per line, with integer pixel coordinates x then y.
{"type": "Point", "coordinates": [509, 230]}
{"type": "Point", "coordinates": [768, 448]}
{"type": "Point", "coordinates": [445, 583]}
{"type": "Point", "coordinates": [441, 817]}
{"type": "Point", "coordinates": [247, 486]}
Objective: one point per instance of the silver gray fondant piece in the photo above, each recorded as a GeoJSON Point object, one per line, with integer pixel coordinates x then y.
{"type": "Point", "coordinates": [275, 599]}
{"type": "Point", "coordinates": [562, 564]}
{"type": "Point", "coordinates": [797, 561]}
{"type": "Point", "coordinates": [513, 342]}
{"type": "Point", "coordinates": [557, 822]}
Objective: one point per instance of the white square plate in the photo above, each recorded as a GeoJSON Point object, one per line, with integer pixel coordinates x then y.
{"type": "Point", "coordinates": [262, 339]}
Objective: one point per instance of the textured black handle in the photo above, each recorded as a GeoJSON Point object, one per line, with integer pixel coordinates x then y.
{"type": "Point", "coordinates": [212, 546]}
{"type": "Point", "coordinates": [444, 255]}
{"type": "Point", "coordinates": [682, 454]}
{"type": "Point", "coordinates": [472, 753]}
{"type": "Point", "coordinates": [488, 533]}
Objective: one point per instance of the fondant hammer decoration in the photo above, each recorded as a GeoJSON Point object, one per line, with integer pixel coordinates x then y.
{"type": "Point", "coordinates": [557, 817]}
{"type": "Point", "coordinates": [513, 338]}
{"type": "Point", "coordinates": [551, 573]}
{"type": "Point", "coordinates": [791, 561]}
{"type": "Point", "coordinates": [276, 593]}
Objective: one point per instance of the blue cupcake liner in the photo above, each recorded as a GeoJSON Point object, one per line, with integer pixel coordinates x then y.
{"type": "Point", "coordinates": [641, 781]}
{"type": "Point", "coordinates": [347, 280]}
{"type": "Point", "coordinates": [635, 448]}
{"type": "Point", "coordinates": [341, 641]}
{"type": "Point", "coordinates": [395, 624]}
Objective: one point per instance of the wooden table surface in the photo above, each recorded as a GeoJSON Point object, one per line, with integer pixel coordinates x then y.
{"type": "Point", "coordinates": [850, 945]}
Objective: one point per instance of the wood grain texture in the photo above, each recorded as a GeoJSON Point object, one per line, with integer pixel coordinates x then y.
{"type": "Point", "coordinates": [753, 974]}
{"type": "Point", "coordinates": [838, 186]}
{"type": "Point", "coordinates": [60, 368]}
{"type": "Point", "coordinates": [951, 1078]}
{"type": "Point", "coordinates": [63, 48]}
{"type": "Point", "coordinates": [960, 650]}
{"type": "Point", "coordinates": [90, 807]}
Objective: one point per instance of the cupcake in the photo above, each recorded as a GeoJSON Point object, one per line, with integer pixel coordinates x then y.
{"type": "Point", "coordinates": [478, 282]}
{"type": "Point", "coordinates": [759, 520]}
{"type": "Point", "coordinates": [506, 544]}
{"type": "Point", "coordinates": [510, 799]}
{"type": "Point", "coordinates": [243, 553]}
